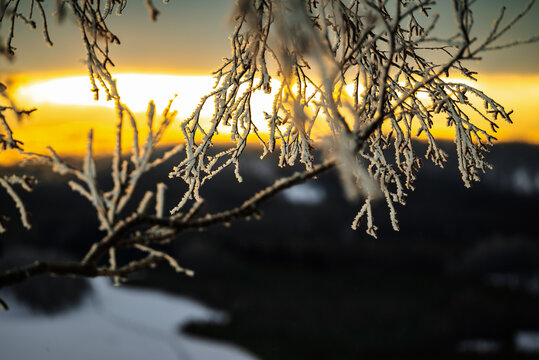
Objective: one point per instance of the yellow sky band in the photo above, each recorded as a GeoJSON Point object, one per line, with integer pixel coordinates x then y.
{"type": "Point", "coordinates": [67, 111]}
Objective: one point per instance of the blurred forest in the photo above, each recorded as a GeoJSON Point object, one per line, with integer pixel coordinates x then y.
{"type": "Point", "coordinates": [459, 281]}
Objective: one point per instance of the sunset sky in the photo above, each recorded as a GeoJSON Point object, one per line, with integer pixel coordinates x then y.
{"type": "Point", "coordinates": [178, 53]}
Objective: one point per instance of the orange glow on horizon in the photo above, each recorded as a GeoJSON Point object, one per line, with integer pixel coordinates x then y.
{"type": "Point", "coordinates": [67, 111]}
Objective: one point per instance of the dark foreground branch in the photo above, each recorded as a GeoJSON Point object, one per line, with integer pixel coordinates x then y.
{"type": "Point", "coordinates": [247, 209]}
{"type": "Point", "coordinates": [21, 274]}
{"type": "Point", "coordinates": [18, 275]}
{"type": "Point", "coordinates": [88, 266]}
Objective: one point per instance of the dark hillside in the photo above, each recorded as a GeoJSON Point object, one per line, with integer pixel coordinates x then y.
{"type": "Point", "coordinates": [300, 284]}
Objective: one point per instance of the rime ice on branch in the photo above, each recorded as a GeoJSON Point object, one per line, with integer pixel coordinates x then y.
{"type": "Point", "coordinates": [371, 72]}
{"type": "Point", "coordinates": [8, 142]}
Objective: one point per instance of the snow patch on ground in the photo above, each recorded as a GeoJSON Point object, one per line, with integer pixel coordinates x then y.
{"type": "Point", "coordinates": [479, 346]}
{"type": "Point", "coordinates": [525, 182]}
{"type": "Point", "coordinates": [514, 281]}
{"type": "Point", "coordinates": [305, 194]}
{"type": "Point", "coordinates": [527, 341]}
{"type": "Point", "coordinates": [114, 323]}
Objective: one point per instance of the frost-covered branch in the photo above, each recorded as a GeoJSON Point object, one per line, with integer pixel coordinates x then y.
{"type": "Point", "coordinates": [370, 74]}
{"type": "Point", "coordinates": [141, 231]}
{"type": "Point", "coordinates": [7, 141]}
{"type": "Point", "coordinates": [125, 173]}
{"type": "Point", "coordinates": [355, 79]}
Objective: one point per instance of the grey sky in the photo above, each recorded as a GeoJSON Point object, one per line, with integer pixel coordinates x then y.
{"type": "Point", "coordinates": [192, 37]}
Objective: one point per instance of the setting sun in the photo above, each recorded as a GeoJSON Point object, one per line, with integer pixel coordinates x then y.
{"type": "Point", "coordinates": [136, 91]}
{"type": "Point", "coordinates": [67, 110]}
{"type": "Point", "coordinates": [242, 176]}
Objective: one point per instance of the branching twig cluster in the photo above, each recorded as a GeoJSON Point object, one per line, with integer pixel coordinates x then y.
{"type": "Point", "coordinates": [24, 11]}
{"type": "Point", "coordinates": [8, 142]}
{"type": "Point", "coordinates": [110, 205]}
{"type": "Point", "coordinates": [370, 73]}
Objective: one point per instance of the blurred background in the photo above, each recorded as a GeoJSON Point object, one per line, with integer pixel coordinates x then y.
{"type": "Point", "coordinates": [460, 280]}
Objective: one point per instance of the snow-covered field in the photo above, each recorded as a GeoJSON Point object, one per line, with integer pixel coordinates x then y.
{"type": "Point", "coordinates": [112, 323]}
